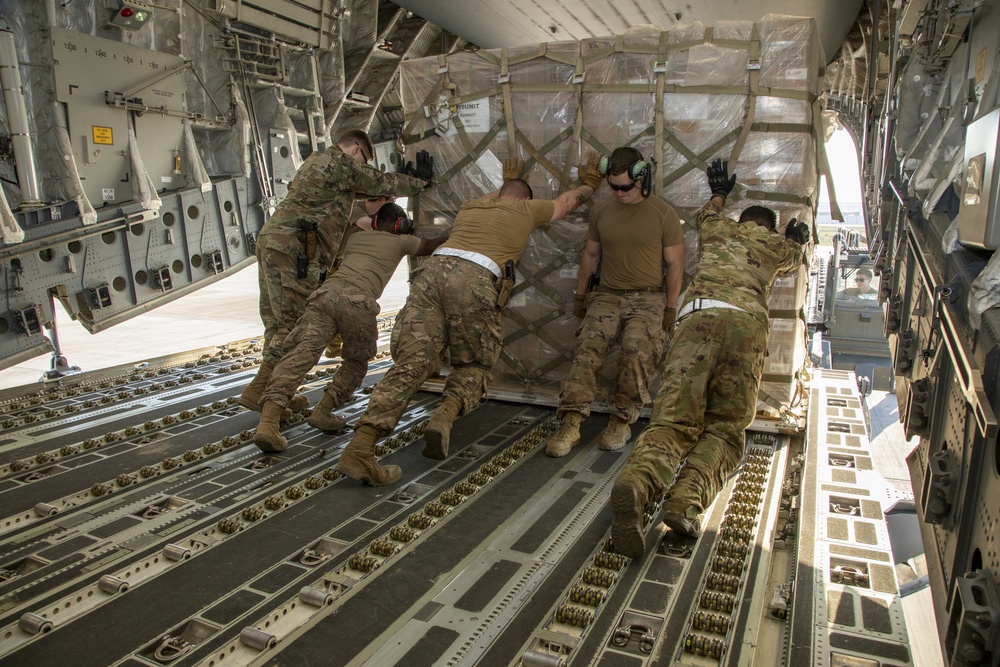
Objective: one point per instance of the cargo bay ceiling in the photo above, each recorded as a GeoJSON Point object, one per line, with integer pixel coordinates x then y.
{"type": "Point", "coordinates": [499, 23]}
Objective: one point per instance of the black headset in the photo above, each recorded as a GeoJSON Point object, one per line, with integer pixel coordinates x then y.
{"type": "Point", "coordinates": [402, 224]}
{"type": "Point", "coordinates": [639, 169]}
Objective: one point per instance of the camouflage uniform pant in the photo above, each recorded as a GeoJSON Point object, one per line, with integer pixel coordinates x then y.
{"type": "Point", "coordinates": [707, 398]}
{"type": "Point", "coordinates": [636, 320]}
{"type": "Point", "coordinates": [283, 295]}
{"type": "Point", "coordinates": [451, 309]}
{"type": "Point", "coordinates": [336, 307]}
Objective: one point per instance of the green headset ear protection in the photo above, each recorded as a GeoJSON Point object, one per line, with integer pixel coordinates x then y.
{"type": "Point", "coordinates": [635, 171]}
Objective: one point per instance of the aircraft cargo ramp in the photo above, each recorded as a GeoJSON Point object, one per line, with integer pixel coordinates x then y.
{"type": "Point", "coordinates": [141, 526]}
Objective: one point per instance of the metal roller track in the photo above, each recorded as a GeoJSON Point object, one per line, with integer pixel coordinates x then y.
{"type": "Point", "coordinates": [200, 550]}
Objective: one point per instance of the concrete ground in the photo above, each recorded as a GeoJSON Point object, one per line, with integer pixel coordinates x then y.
{"type": "Point", "coordinates": [220, 313]}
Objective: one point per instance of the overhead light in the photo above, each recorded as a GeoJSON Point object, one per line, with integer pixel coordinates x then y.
{"type": "Point", "coordinates": [132, 14]}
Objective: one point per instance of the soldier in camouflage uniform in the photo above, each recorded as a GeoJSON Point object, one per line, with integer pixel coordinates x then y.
{"type": "Point", "coordinates": [631, 236]}
{"type": "Point", "coordinates": [711, 374]}
{"type": "Point", "coordinates": [299, 241]}
{"type": "Point", "coordinates": [454, 307]}
{"type": "Point", "coordinates": [361, 218]}
{"type": "Point", "coordinates": [346, 303]}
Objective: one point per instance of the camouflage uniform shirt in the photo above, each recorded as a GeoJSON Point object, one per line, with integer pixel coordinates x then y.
{"type": "Point", "coordinates": [323, 192]}
{"type": "Point", "coordinates": [739, 262]}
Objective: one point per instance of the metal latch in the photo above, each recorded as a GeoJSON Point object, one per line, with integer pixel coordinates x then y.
{"type": "Point", "coordinates": [641, 633]}
{"type": "Point", "coordinates": [99, 297]}
{"type": "Point", "coordinates": [162, 279]}
{"type": "Point", "coordinates": [638, 630]}
{"type": "Point", "coordinates": [311, 557]}
{"type": "Point", "coordinates": [170, 648]}
{"type": "Point", "coordinates": [214, 261]}
{"type": "Point", "coordinates": [849, 575]}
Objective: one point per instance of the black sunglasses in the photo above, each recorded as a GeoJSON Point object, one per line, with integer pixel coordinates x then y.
{"type": "Point", "coordinates": [621, 188]}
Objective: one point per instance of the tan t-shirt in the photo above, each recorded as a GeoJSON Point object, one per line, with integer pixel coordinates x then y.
{"type": "Point", "coordinates": [372, 257]}
{"type": "Point", "coordinates": [632, 238]}
{"type": "Point", "coordinates": [357, 213]}
{"type": "Point", "coordinates": [498, 228]}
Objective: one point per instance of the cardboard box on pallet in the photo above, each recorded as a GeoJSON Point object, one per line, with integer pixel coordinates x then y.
{"type": "Point", "coordinates": [568, 99]}
{"type": "Point", "coordinates": [786, 347]}
{"type": "Point", "coordinates": [788, 292]}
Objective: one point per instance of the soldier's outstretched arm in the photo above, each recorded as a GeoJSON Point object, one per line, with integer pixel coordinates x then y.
{"type": "Point", "coordinates": [590, 180]}
{"type": "Point", "coordinates": [427, 246]}
{"type": "Point", "coordinates": [369, 182]}
{"type": "Point", "coordinates": [570, 200]}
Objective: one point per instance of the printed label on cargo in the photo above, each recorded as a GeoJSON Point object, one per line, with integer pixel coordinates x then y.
{"type": "Point", "coordinates": [107, 194]}
{"type": "Point", "coordinates": [102, 135]}
{"type": "Point", "coordinates": [475, 116]}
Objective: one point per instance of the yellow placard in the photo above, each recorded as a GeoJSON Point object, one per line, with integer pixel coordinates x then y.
{"type": "Point", "coordinates": [102, 135]}
{"type": "Point", "coordinates": [981, 66]}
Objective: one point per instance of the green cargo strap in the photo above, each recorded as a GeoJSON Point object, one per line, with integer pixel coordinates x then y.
{"type": "Point", "coordinates": [698, 161]}
{"type": "Point", "coordinates": [508, 103]}
{"type": "Point", "coordinates": [660, 70]}
{"type": "Point", "coordinates": [533, 152]}
{"type": "Point", "coordinates": [548, 146]}
{"type": "Point", "coordinates": [778, 196]}
{"type": "Point", "coordinates": [594, 142]}
{"type": "Point", "coordinates": [753, 67]}
{"type": "Point", "coordinates": [721, 43]}
{"type": "Point", "coordinates": [475, 95]}
{"type": "Point", "coordinates": [765, 397]}
{"type": "Point", "coordinates": [472, 152]}
{"type": "Point", "coordinates": [431, 95]}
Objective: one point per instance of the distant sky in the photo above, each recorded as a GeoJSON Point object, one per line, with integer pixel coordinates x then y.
{"type": "Point", "coordinates": [843, 157]}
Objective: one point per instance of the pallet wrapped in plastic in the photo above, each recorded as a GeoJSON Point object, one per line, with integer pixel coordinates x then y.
{"type": "Point", "coordinates": [742, 91]}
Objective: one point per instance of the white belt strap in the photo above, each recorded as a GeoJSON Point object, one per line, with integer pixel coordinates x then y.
{"type": "Point", "coordinates": [474, 257]}
{"type": "Point", "coordinates": [703, 304]}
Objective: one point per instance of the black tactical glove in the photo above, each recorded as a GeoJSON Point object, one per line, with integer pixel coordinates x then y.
{"type": "Point", "coordinates": [719, 180]}
{"type": "Point", "coordinates": [424, 169]}
{"type": "Point", "coordinates": [797, 231]}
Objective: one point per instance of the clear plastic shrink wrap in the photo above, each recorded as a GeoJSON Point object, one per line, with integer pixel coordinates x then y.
{"type": "Point", "coordinates": [681, 97]}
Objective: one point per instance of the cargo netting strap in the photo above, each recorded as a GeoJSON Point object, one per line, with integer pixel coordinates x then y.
{"type": "Point", "coordinates": [660, 70]}
{"type": "Point", "coordinates": [573, 73]}
{"type": "Point", "coordinates": [753, 75]}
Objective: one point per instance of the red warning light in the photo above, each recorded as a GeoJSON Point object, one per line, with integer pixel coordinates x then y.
{"type": "Point", "coordinates": [126, 12]}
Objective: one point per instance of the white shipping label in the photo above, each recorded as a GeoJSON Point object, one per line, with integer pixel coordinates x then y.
{"type": "Point", "coordinates": [475, 116]}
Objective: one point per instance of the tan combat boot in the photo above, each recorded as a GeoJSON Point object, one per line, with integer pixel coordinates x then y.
{"type": "Point", "coordinates": [268, 437]}
{"type": "Point", "coordinates": [567, 437]}
{"type": "Point", "coordinates": [682, 518]}
{"type": "Point", "coordinates": [358, 460]}
{"type": "Point", "coordinates": [323, 417]}
{"type": "Point", "coordinates": [628, 503]}
{"type": "Point", "coordinates": [615, 435]}
{"type": "Point", "coordinates": [438, 431]}
{"type": "Point", "coordinates": [250, 398]}
{"type": "Point", "coordinates": [298, 403]}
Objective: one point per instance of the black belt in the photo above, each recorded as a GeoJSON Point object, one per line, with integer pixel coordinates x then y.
{"type": "Point", "coordinates": [622, 292]}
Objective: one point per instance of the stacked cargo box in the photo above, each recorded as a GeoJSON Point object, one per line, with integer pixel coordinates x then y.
{"type": "Point", "coordinates": [742, 91]}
